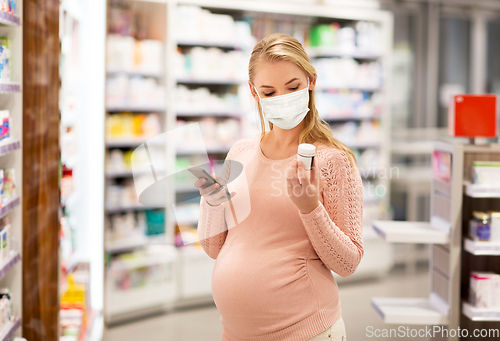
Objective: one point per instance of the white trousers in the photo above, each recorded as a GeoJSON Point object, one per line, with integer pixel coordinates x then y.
{"type": "Point", "coordinates": [335, 333]}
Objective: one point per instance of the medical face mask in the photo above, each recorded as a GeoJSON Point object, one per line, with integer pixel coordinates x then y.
{"type": "Point", "coordinates": [286, 111]}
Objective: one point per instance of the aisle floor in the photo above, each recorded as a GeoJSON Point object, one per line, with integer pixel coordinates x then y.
{"type": "Point", "coordinates": [203, 323]}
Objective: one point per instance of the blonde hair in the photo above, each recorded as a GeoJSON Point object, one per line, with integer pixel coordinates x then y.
{"type": "Point", "coordinates": [278, 47]}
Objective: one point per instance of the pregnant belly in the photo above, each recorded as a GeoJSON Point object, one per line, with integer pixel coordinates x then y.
{"type": "Point", "coordinates": [260, 293]}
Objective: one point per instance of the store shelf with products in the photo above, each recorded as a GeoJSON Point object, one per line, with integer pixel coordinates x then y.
{"type": "Point", "coordinates": [481, 314]}
{"type": "Point", "coordinates": [8, 87]}
{"type": "Point", "coordinates": [9, 329]}
{"type": "Point", "coordinates": [11, 169]}
{"type": "Point", "coordinates": [482, 248]}
{"type": "Point", "coordinates": [135, 242]}
{"type": "Point", "coordinates": [481, 191]}
{"type": "Point", "coordinates": [8, 262]}
{"type": "Point", "coordinates": [454, 273]}
{"type": "Point", "coordinates": [8, 205]}
{"type": "Point", "coordinates": [409, 311]}
{"type": "Point", "coordinates": [410, 232]}
{"type": "Point", "coordinates": [9, 19]}
{"type": "Point", "coordinates": [136, 112]}
{"type": "Point", "coordinates": [9, 145]}
{"type": "Point", "coordinates": [140, 281]}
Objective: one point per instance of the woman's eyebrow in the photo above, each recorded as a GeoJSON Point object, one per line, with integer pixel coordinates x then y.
{"type": "Point", "coordinates": [269, 86]}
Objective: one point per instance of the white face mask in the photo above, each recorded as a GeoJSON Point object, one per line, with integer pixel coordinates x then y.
{"type": "Point", "coordinates": [286, 111]}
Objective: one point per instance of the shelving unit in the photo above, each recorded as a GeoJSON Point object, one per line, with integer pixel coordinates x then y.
{"type": "Point", "coordinates": [453, 255]}
{"type": "Point", "coordinates": [11, 156]}
{"type": "Point", "coordinates": [9, 146]}
{"type": "Point", "coordinates": [10, 329]}
{"type": "Point", "coordinates": [125, 303]}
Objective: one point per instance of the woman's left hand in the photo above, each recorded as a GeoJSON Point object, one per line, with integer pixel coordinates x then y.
{"type": "Point", "coordinates": [303, 190]}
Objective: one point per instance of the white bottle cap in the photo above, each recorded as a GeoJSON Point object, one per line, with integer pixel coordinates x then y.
{"type": "Point", "coordinates": [306, 149]}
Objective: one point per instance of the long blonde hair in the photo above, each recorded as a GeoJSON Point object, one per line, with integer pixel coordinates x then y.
{"type": "Point", "coordinates": [278, 47]}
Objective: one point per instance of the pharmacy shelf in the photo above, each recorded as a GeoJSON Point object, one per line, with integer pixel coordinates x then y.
{"type": "Point", "coordinates": [482, 248]}
{"type": "Point", "coordinates": [9, 262]}
{"type": "Point", "coordinates": [351, 118]}
{"type": "Point", "coordinates": [325, 52]}
{"type": "Point", "coordinates": [364, 145]}
{"type": "Point", "coordinates": [218, 113]}
{"type": "Point", "coordinates": [220, 45]}
{"type": "Point", "coordinates": [133, 108]}
{"type": "Point", "coordinates": [9, 87]}
{"type": "Point", "coordinates": [133, 243]}
{"type": "Point", "coordinates": [129, 173]}
{"type": "Point", "coordinates": [412, 148]}
{"type": "Point", "coordinates": [118, 209]}
{"type": "Point", "coordinates": [71, 262]}
{"type": "Point", "coordinates": [210, 81]}
{"type": "Point", "coordinates": [124, 143]}
{"type": "Point", "coordinates": [9, 206]}
{"type": "Point", "coordinates": [9, 146]}
{"type": "Point", "coordinates": [143, 73]}
{"type": "Point", "coordinates": [85, 334]}
{"type": "Point", "coordinates": [185, 188]}
{"type": "Point", "coordinates": [371, 172]}
{"type": "Point", "coordinates": [9, 19]}
{"type": "Point", "coordinates": [188, 221]}
{"type": "Point", "coordinates": [210, 150]}
{"type": "Point", "coordinates": [481, 191]}
{"type": "Point", "coordinates": [9, 330]}
{"type": "Point", "coordinates": [480, 314]}
{"type": "Point", "coordinates": [121, 302]}
{"type": "Point", "coordinates": [408, 311]}
{"type": "Point", "coordinates": [351, 88]}
{"type": "Point", "coordinates": [410, 232]}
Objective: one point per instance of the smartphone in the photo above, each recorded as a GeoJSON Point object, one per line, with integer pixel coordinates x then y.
{"type": "Point", "coordinates": [201, 173]}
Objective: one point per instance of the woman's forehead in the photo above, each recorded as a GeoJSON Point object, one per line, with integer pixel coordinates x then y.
{"type": "Point", "coordinates": [277, 73]}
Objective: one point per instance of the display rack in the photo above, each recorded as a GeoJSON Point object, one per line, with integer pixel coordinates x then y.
{"type": "Point", "coordinates": [11, 157]}
{"type": "Point", "coordinates": [453, 255]}
{"type": "Point", "coordinates": [120, 303]}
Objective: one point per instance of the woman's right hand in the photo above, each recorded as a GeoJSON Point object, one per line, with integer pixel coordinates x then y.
{"type": "Point", "coordinates": [213, 199]}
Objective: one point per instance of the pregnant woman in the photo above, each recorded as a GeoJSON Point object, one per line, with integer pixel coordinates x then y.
{"type": "Point", "coordinates": [284, 230]}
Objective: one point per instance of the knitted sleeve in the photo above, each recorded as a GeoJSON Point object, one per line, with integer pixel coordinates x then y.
{"type": "Point", "coordinates": [335, 226]}
{"type": "Point", "coordinates": [212, 227]}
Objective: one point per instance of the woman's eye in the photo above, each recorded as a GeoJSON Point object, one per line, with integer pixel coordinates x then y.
{"type": "Point", "coordinates": [293, 89]}
{"type": "Point", "coordinates": [269, 94]}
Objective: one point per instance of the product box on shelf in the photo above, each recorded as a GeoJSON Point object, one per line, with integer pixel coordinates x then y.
{"type": "Point", "coordinates": [5, 60]}
{"type": "Point", "coordinates": [4, 124]}
{"type": "Point", "coordinates": [6, 311]}
{"type": "Point", "coordinates": [480, 226]}
{"type": "Point", "coordinates": [486, 173]}
{"type": "Point", "coordinates": [484, 289]}
{"type": "Point", "coordinates": [9, 6]}
{"type": "Point", "coordinates": [494, 226]}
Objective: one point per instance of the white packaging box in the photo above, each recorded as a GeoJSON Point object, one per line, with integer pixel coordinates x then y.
{"type": "Point", "coordinates": [484, 289]}
{"type": "Point", "coordinates": [486, 173]}
{"type": "Point", "coordinates": [495, 226]}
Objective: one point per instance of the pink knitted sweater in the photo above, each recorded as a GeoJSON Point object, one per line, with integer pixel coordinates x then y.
{"type": "Point", "coordinates": [272, 279]}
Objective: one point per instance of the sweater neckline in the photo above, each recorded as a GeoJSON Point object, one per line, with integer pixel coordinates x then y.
{"type": "Point", "coordinates": [268, 160]}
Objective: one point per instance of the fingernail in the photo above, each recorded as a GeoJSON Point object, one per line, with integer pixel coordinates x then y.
{"type": "Point", "coordinates": [203, 180]}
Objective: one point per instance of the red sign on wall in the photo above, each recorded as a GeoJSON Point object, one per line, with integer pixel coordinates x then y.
{"type": "Point", "coordinates": [473, 116]}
